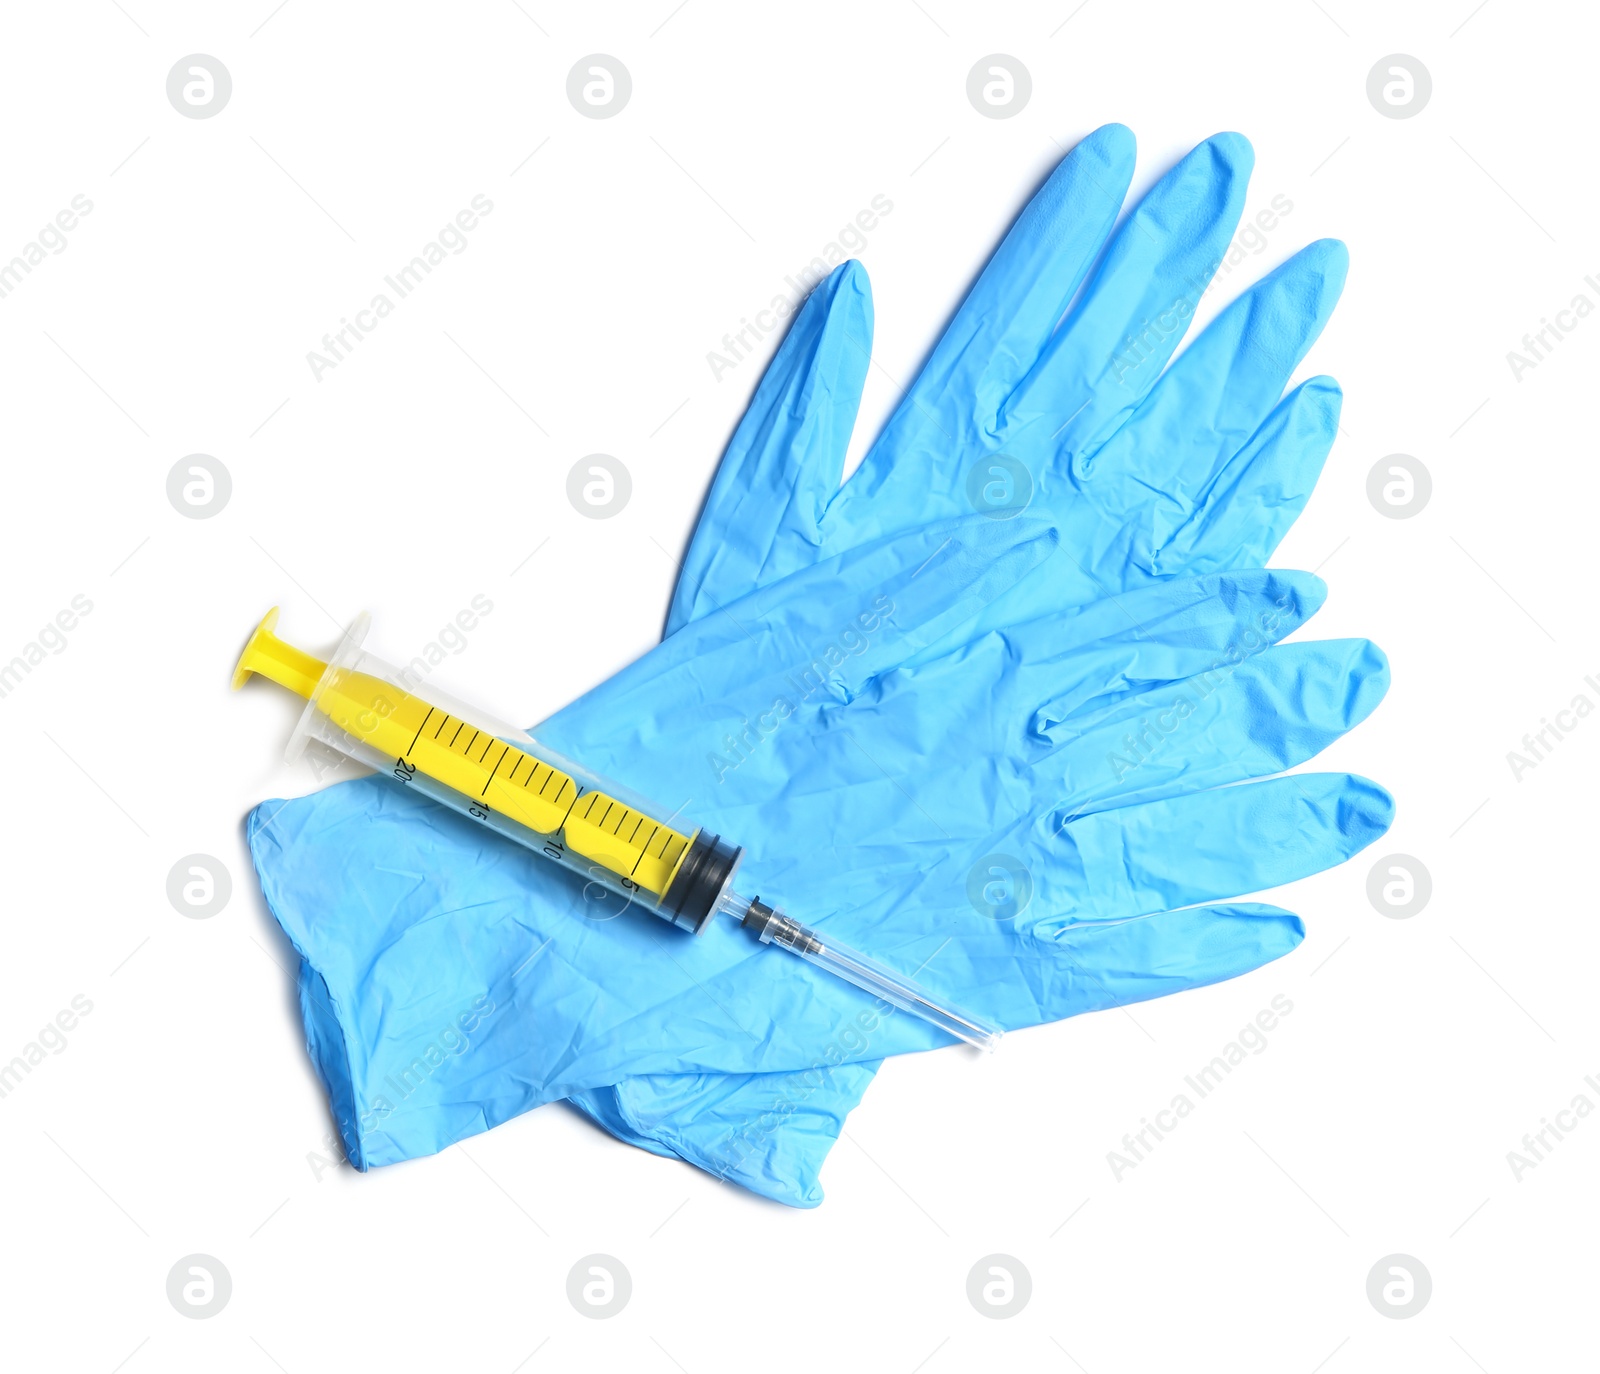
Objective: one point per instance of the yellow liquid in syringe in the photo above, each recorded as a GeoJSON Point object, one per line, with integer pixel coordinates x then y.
{"type": "Point", "coordinates": [504, 779]}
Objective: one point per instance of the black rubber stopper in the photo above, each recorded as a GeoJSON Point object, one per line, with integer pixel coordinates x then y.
{"type": "Point", "coordinates": [691, 899]}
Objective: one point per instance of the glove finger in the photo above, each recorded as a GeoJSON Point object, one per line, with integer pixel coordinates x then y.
{"type": "Point", "coordinates": [1194, 848]}
{"type": "Point", "coordinates": [783, 464]}
{"type": "Point", "coordinates": [1113, 964]}
{"type": "Point", "coordinates": [1137, 307]}
{"type": "Point", "coordinates": [1007, 318]}
{"type": "Point", "coordinates": [1240, 720]}
{"type": "Point", "coordinates": [1249, 506]}
{"type": "Point", "coordinates": [1214, 397]}
{"type": "Point", "coordinates": [1157, 635]}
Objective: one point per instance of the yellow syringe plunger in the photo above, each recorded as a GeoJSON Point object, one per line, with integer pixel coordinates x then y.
{"type": "Point", "coordinates": [270, 656]}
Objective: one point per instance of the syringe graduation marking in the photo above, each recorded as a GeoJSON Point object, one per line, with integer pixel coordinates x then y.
{"type": "Point", "coordinates": [495, 769]}
{"type": "Point", "coordinates": [545, 799]}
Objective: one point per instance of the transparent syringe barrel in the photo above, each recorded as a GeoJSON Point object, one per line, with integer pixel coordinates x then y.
{"type": "Point", "coordinates": [370, 711]}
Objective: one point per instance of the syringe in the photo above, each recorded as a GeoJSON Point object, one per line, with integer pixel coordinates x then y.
{"type": "Point", "coordinates": [364, 709]}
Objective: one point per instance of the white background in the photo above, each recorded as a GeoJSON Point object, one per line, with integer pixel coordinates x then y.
{"type": "Point", "coordinates": [183, 1115]}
